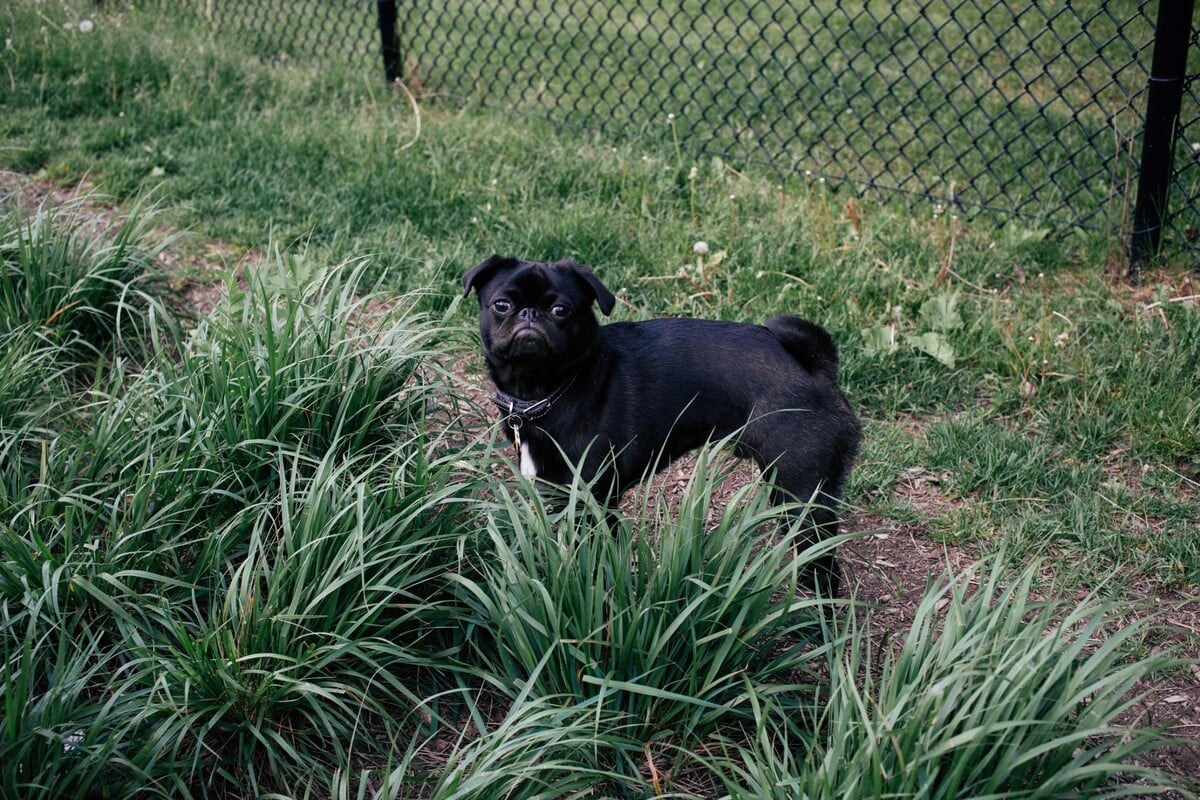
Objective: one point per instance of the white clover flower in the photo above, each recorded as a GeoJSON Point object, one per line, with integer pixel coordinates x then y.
{"type": "Point", "coordinates": [85, 26]}
{"type": "Point", "coordinates": [700, 248]}
{"type": "Point", "coordinates": [693, 174]}
{"type": "Point", "coordinates": [670, 119]}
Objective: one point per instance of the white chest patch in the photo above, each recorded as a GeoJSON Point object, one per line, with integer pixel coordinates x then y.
{"type": "Point", "coordinates": [528, 468]}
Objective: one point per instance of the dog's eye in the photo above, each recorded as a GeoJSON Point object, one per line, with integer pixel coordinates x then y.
{"type": "Point", "coordinates": [502, 306]}
{"type": "Point", "coordinates": [561, 311]}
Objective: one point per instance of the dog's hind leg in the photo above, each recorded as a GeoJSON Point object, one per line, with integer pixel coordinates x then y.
{"type": "Point", "coordinates": [819, 521]}
{"type": "Point", "coordinates": [810, 485]}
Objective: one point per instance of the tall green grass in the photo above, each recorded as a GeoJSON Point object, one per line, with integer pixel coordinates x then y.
{"type": "Point", "coordinates": [990, 693]}
{"type": "Point", "coordinates": [86, 281]}
{"type": "Point", "coordinates": [224, 568]}
{"type": "Point", "coordinates": [77, 291]}
{"type": "Point", "coordinates": [662, 624]}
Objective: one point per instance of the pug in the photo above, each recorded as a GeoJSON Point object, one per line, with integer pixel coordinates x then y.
{"type": "Point", "coordinates": [619, 399]}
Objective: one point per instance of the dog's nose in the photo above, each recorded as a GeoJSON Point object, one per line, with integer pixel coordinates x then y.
{"type": "Point", "coordinates": [528, 314]}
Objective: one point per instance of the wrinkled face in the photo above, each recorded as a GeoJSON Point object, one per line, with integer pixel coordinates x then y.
{"type": "Point", "coordinates": [535, 312]}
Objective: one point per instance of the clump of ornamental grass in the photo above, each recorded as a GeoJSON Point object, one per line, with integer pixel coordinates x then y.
{"type": "Point", "coordinates": [295, 362]}
{"type": "Point", "coordinates": [32, 387]}
{"type": "Point", "coordinates": [76, 289]}
{"type": "Point", "coordinates": [73, 726]}
{"type": "Point", "coordinates": [542, 747]}
{"type": "Point", "coordinates": [204, 593]}
{"type": "Point", "coordinates": [307, 651]}
{"type": "Point", "coordinates": [302, 638]}
{"type": "Point", "coordinates": [990, 693]}
{"type": "Point", "coordinates": [661, 626]}
{"type": "Point", "coordinates": [87, 280]}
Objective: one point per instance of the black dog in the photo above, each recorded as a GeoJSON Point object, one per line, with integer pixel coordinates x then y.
{"type": "Point", "coordinates": [628, 395]}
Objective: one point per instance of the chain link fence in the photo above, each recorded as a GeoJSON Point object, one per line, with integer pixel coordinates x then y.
{"type": "Point", "coordinates": [308, 31]}
{"type": "Point", "coordinates": [1027, 109]}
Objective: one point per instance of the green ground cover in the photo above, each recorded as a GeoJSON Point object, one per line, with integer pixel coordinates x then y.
{"type": "Point", "coordinates": [266, 551]}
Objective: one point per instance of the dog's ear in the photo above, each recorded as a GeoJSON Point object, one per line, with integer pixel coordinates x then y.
{"type": "Point", "coordinates": [481, 273]}
{"type": "Point", "coordinates": [604, 298]}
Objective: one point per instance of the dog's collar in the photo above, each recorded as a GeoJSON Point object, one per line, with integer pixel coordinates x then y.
{"type": "Point", "coordinates": [519, 411]}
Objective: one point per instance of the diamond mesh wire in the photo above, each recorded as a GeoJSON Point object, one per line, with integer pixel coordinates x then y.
{"type": "Point", "coordinates": [1184, 201]}
{"type": "Point", "coordinates": [1030, 109]}
{"type": "Point", "coordinates": [284, 30]}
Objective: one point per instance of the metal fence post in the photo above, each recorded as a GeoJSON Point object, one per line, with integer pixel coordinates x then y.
{"type": "Point", "coordinates": [389, 42]}
{"type": "Point", "coordinates": [1168, 70]}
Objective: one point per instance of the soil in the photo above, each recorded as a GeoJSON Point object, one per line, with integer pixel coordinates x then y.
{"type": "Point", "coordinates": [887, 567]}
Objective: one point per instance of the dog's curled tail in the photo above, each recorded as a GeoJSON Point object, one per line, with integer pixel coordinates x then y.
{"type": "Point", "coordinates": [807, 342]}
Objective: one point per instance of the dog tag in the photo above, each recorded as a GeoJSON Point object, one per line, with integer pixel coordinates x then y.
{"type": "Point", "coordinates": [515, 422]}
